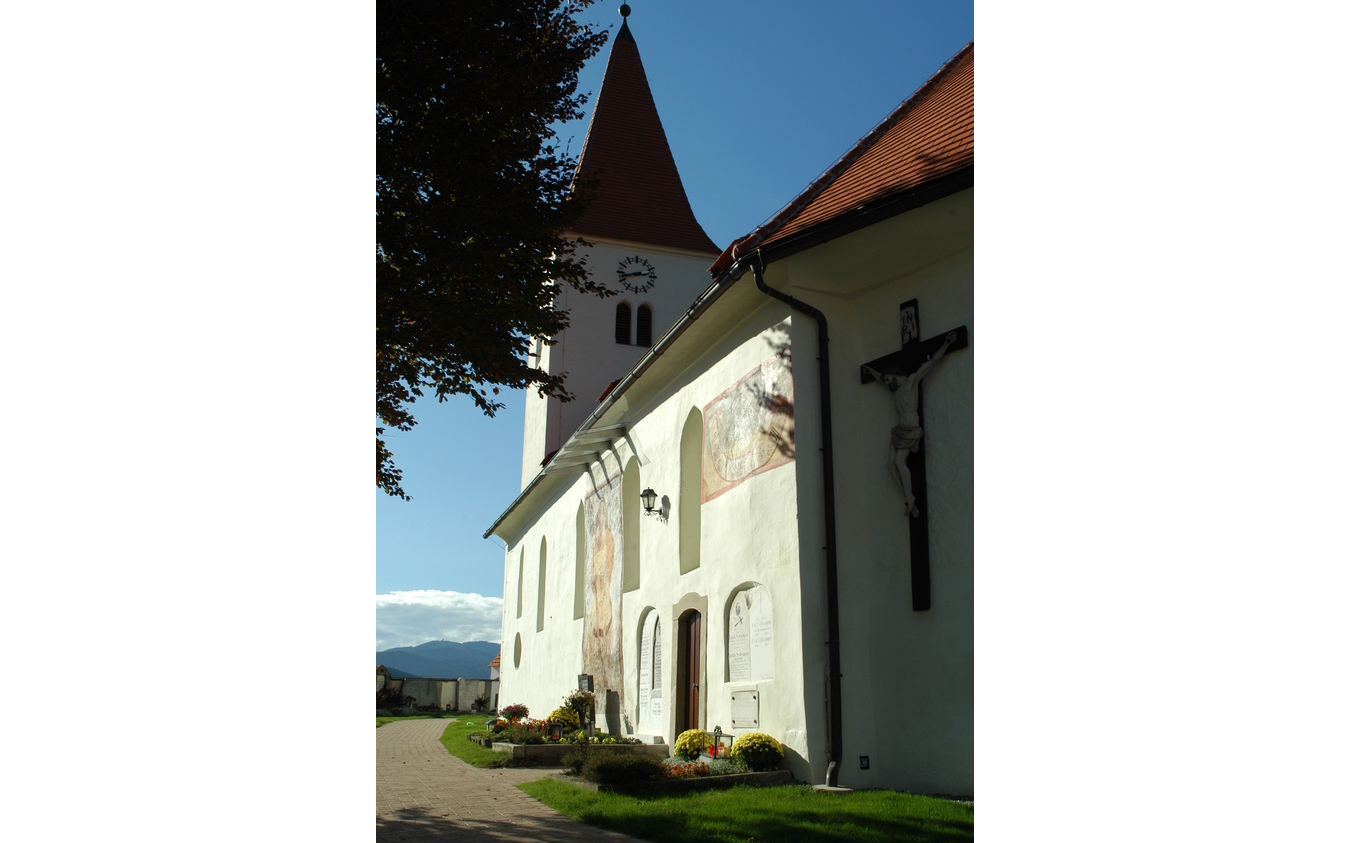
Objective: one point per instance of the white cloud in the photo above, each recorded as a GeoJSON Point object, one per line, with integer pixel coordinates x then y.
{"type": "Point", "coordinates": [409, 618]}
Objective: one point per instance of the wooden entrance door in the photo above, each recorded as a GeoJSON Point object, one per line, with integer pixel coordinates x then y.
{"type": "Point", "coordinates": [690, 670]}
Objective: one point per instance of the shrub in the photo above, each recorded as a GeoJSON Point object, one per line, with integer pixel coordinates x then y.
{"type": "Point", "coordinates": [692, 743]}
{"type": "Point", "coordinates": [613, 768]}
{"type": "Point", "coordinates": [388, 697]}
{"type": "Point", "coordinates": [526, 732]}
{"type": "Point", "coordinates": [758, 751]}
{"type": "Point", "coordinates": [564, 716]}
{"type": "Point", "coordinates": [515, 712]}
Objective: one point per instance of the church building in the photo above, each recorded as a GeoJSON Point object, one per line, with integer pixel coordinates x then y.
{"type": "Point", "coordinates": [758, 512]}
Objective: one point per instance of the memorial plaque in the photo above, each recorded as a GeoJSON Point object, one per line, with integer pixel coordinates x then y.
{"type": "Point", "coordinates": [738, 640]}
{"type": "Point", "coordinates": [745, 709]}
{"type": "Point", "coordinates": [656, 675]}
{"type": "Point", "coordinates": [761, 636]}
{"type": "Point", "coordinates": [645, 670]}
{"type": "Point", "coordinates": [656, 659]}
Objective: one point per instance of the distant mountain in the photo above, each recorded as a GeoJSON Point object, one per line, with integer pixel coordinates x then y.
{"type": "Point", "coordinates": [440, 660]}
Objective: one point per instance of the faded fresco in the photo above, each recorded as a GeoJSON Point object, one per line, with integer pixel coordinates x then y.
{"type": "Point", "coordinates": [601, 643]}
{"type": "Point", "coordinates": [748, 429]}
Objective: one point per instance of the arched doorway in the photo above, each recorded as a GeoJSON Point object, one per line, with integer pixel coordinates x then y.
{"type": "Point", "coordinates": [689, 671]}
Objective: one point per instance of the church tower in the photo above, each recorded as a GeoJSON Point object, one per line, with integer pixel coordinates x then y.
{"type": "Point", "coordinates": [646, 244]}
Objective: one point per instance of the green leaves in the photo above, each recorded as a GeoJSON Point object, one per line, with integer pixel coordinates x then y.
{"type": "Point", "coordinates": [471, 199]}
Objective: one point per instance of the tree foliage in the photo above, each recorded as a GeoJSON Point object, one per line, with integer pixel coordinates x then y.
{"type": "Point", "coordinates": [472, 197]}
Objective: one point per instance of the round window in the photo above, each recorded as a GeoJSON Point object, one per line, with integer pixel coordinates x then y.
{"type": "Point", "coordinates": [517, 649]}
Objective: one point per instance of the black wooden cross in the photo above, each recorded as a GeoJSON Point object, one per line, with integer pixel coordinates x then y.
{"type": "Point", "coordinates": [912, 354]}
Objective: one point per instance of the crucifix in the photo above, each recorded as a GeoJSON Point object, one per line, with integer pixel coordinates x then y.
{"type": "Point", "coordinates": [901, 372]}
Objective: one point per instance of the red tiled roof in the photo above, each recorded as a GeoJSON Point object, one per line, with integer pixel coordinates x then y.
{"type": "Point", "coordinates": [930, 136]}
{"type": "Point", "coordinates": [496, 662]}
{"type": "Point", "coordinates": [607, 391]}
{"type": "Point", "coordinates": [639, 195]}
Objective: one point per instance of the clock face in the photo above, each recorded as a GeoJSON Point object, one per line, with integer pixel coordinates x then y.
{"type": "Point", "coordinates": [637, 274]}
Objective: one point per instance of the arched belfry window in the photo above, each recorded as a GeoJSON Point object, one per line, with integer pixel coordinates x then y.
{"type": "Point", "coordinates": [623, 324]}
{"type": "Point", "coordinates": [644, 326]}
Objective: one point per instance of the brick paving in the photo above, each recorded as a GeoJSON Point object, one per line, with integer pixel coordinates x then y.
{"type": "Point", "coordinates": [424, 794]}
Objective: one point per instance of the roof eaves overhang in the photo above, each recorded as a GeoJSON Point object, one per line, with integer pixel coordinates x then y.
{"type": "Point", "coordinates": [868, 214]}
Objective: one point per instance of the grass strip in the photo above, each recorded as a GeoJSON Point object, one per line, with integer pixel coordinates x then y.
{"type": "Point", "coordinates": [456, 739]}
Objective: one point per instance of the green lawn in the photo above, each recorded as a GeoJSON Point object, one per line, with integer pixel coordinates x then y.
{"type": "Point", "coordinates": [430, 715]}
{"type": "Point", "coordinates": [765, 815]}
{"type": "Point", "coordinates": [740, 815]}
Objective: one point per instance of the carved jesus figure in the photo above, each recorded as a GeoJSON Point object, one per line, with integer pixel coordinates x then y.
{"type": "Point", "coordinates": [906, 435]}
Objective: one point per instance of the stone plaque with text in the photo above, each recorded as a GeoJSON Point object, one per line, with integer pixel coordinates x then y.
{"type": "Point", "coordinates": [745, 709]}
{"type": "Point", "coordinates": [738, 640]}
{"type": "Point", "coordinates": [645, 671]}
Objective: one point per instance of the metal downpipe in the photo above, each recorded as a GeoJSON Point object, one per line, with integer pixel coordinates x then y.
{"type": "Point", "coordinates": [836, 721]}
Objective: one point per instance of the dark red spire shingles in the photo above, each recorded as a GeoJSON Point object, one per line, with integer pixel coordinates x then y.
{"type": "Point", "coordinates": [930, 136]}
{"type": "Point", "coordinates": [639, 195]}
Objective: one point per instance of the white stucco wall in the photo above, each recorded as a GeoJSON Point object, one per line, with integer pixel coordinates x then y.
{"type": "Point", "coordinates": [907, 676]}
{"type": "Point", "coordinates": [748, 537]}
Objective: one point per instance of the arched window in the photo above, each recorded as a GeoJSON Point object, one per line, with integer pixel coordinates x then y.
{"type": "Point", "coordinates": [631, 489]}
{"type": "Point", "coordinates": [644, 328]}
{"type": "Point", "coordinates": [579, 562]}
{"type": "Point", "coordinates": [520, 582]}
{"type": "Point", "coordinates": [691, 490]}
{"type": "Point", "coordinates": [623, 324]}
{"type": "Point", "coordinates": [539, 612]}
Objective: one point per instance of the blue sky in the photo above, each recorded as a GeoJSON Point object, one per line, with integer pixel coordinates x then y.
{"type": "Point", "coordinates": [757, 99]}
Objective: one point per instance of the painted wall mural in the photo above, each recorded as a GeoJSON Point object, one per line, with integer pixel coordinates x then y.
{"type": "Point", "coordinates": [748, 429]}
{"type": "Point", "coordinates": [601, 643]}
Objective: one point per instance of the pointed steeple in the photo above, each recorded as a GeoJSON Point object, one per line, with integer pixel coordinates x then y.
{"type": "Point", "coordinates": [639, 195]}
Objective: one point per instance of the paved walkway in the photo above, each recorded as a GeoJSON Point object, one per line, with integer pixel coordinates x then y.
{"type": "Point", "coordinates": [425, 794]}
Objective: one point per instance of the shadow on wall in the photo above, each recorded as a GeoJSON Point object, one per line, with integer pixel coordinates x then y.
{"type": "Point", "coordinates": [780, 344]}
{"type": "Point", "coordinates": [797, 763]}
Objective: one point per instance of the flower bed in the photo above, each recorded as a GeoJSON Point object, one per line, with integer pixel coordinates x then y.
{"type": "Point", "coordinates": [551, 754]}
